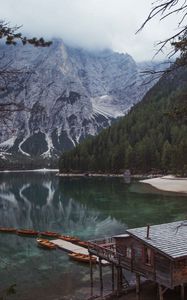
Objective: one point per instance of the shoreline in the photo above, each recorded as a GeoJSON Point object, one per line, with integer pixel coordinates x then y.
{"type": "Point", "coordinates": [105, 175]}
{"type": "Point", "coordinates": [168, 183]}
{"type": "Point", "coordinates": [87, 175]}
{"type": "Point", "coordinates": [44, 170]}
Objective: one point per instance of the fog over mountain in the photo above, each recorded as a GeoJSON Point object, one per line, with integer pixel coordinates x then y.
{"type": "Point", "coordinates": [91, 24]}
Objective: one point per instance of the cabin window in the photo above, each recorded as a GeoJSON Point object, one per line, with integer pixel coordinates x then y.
{"type": "Point", "coordinates": [138, 253]}
{"type": "Point", "coordinates": [128, 252]}
{"type": "Point", "coordinates": [147, 256]}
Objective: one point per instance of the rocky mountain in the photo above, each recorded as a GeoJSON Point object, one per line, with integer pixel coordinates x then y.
{"type": "Point", "coordinates": [68, 93]}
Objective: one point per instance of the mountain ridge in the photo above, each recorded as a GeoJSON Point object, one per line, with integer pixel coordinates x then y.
{"type": "Point", "coordinates": [69, 94]}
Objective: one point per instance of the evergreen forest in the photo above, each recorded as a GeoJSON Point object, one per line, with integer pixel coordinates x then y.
{"type": "Point", "coordinates": [152, 138]}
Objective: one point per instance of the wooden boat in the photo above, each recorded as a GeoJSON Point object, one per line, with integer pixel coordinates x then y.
{"type": "Point", "coordinates": [69, 238]}
{"type": "Point", "coordinates": [82, 257]}
{"type": "Point", "coordinates": [46, 244]}
{"type": "Point", "coordinates": [49, 234]}
{"type": "Point", "coordinates": [84, 244]}
{"type": "Point", "coordinates": [28, 232]}
{"type": "Point", "coordinates": [7, 229]}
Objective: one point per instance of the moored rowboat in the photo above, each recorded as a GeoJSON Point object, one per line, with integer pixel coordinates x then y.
{"type": "Point", "coordinates": [8, 229]}
{"type": "Point", "coordinates": [84, 244]}
{"type": "Point", "coordinates": [69, 238]}
{"type": "Point", "coordinates": [49, 234]}
{"type": "Point", "coordinates": [29, 232]}
{"type": "Point", "coordinates": [82, 257]}
{"type": "Point", "coordinates": [46, 244]}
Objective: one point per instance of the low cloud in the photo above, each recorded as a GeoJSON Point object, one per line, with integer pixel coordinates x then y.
{"type": "Point", "coordinates": [91, 24]}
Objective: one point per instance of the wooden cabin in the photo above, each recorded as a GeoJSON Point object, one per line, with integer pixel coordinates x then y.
{"type": "Point", "coordinates": [158, 253]}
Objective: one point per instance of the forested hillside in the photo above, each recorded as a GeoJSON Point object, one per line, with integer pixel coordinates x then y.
{"type": "Point", "coordinates": [151, 138]}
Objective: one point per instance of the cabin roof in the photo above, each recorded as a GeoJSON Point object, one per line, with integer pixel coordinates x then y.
{"type": "Point", "coordinates": [169, 238]}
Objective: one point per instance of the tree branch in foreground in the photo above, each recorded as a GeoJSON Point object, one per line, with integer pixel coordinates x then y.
{"type": "Point", "coordinates": [11, 36]}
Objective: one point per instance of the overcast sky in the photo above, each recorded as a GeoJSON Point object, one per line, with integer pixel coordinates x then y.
{"type": "Point", "coordinates": [92, 24]}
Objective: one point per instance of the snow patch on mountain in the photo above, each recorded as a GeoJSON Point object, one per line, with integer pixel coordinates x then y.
{"type": "Point", "coordinates": [20, 144]}
{"type": "Point", "coordinates": [103, 105]}
{"type": "Point", "coordinates": [6, 145]}
{"type": "Point", "coordinates": [50, 146]}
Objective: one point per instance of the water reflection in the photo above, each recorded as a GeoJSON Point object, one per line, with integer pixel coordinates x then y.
{"type": "Point", "coordinates": [87, 207]}
{"type": "Point", "coordinates": [42, 203]}
{"type": "Point", "coordinates": [133, 204]}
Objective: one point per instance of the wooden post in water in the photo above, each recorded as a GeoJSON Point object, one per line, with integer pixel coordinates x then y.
{"type": "Point", "coordinates": [113, 278]}
{"type": "Point", "coordinates": [137, 284]}
{"type": "Point", "coordinates": [91, 275]}
{"type": "Point", "coordinates": [182, 291]}
{"type": "Point", "coordinates": [101, 276]}
{"type": "Point", "coordinates": [120, 278]}
{"type": "Point", "coordinates": [137, 296]}
{"type": "Point", "coordinates": [160, 292]}
{"type": "Point", "coordinates": [118, 281]}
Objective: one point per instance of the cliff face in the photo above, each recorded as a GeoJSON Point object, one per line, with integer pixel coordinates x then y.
{"type": "Point", "coordinates": [68, 93]}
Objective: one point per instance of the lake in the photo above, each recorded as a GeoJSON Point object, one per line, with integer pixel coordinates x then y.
{"type": "Point", "coordinates": [89, 208]}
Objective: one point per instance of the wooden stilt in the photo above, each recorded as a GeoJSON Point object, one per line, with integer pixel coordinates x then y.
{"type": "Point", "coordinates": [91, 275]}
{"type": "Point", "coordinates": [160, 292]}
{"type": "Point", "coordinates": [120, 278]}
{"type": "Point", "coordinates": [137, 284]}
{"type": "Point", "coordinates": [113, 285]}
{"type": "Point", "coordinates": [101, 276]}
{"type": "Point", "coordinates": [137, 296]}
{"type": "Point", "coordinates": [182, 291]}
{"type": "Point", "coordinates": [118, 281]}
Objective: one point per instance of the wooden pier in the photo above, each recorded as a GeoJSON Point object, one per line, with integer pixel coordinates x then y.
{"type": "Point", "coordinates": [73, 248]}
{"type": "Point", "coordinates": [70, 247]}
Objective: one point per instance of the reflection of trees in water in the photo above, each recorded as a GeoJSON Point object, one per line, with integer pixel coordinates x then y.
{"type": "Point", "coordinates": [39, 203]}
{"type": "Point", "coordinates": [134, 204]}
{"type": "Point", "coordinates": [90, 207]}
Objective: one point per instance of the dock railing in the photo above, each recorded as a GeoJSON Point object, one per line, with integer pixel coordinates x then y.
{"type": "Point", "coordinates": [106, 249]}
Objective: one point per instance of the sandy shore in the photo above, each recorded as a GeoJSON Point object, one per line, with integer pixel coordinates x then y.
{"type": "Point", "coordinates": [168, 183]}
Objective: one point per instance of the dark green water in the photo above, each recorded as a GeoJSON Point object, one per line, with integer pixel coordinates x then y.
{"type": "Point", "coordinates": [88, 207]}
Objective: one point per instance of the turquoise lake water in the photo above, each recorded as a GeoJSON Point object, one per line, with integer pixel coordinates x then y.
{"type": "Point", "coordinates": [85, 207]}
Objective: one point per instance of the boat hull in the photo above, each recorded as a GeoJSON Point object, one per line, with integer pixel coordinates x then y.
{"type": "Point", "coordinates": [49, 234]}
{"type": "Point", "coordinates": [82, 257]}
{"type": "Point", "coordinates": [68, 238]}
{"type": "Point", "coordinates": [7, 230]}
{"type": "Point", "coordinates": [46, 244]}
{"type": "Point", "coordinates": [27, 232]}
